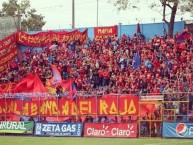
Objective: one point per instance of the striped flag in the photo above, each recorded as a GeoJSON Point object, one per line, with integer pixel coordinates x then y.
{"type": "Point", "coordinates": [56, 75]}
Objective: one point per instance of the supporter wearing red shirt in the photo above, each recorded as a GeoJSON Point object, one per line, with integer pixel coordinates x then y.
{"type": "Point", "coordinates": [100, 72]}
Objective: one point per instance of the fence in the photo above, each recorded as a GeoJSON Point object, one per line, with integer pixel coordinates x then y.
{"type": "Point", "coordinates": [43, 105]}
{"type": "Point", "coordinates": [112, 115]}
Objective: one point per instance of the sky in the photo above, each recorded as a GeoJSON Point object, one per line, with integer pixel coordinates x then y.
{"type": "Point", "coordinates": [58, 13]}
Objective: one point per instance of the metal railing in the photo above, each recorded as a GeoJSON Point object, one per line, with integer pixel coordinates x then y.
{"type": "Point", "coordinates": [176, 106]}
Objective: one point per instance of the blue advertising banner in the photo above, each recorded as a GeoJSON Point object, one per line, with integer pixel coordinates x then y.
{"type": "Point", "coordinates": [177, 129]}
{"type": "Point", "coordinates": [58, 129]}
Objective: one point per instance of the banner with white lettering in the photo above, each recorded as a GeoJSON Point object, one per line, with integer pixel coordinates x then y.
{"type": "Point", "coordinates": [152, 97]}
{"type": "Point", "coordinates": [16, 127]}
{"type": "Point", "coordinates": [58, 129]}
{"type": "Point", "coordinates": [127, 130]}
{"type": "Point", "coordinates": [101, 32]}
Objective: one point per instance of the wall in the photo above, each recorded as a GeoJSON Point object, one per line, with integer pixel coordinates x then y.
{"type": "Point", "coordinates": [148, 30]}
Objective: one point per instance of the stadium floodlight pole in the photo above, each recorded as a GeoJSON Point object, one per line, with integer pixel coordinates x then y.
{"type": "Point", "coordinates": [97, 13]}
{"type": "Point", "coordinates": [73, 13]}
{"type": "Point", "coordinates": [19, 20]}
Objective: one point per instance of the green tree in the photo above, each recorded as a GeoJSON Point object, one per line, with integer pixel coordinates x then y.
{"type": "Point", "coordinates": [168, 6]}
{"type": "Point", "coordinates": [30, 20]}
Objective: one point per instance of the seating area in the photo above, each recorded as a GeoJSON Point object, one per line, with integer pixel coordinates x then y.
{"type": "Point", "coordinates": [107, 65]}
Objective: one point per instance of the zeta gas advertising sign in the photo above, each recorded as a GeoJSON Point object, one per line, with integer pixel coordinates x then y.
{"type": "Point", "coordinates": [110, 130]}
{"type": "Point", "coordinates": [16, 127]}
{"type": "Point", "coordinates": [58, 129]}
{"type": "Point", "coordinates": [178, 130]}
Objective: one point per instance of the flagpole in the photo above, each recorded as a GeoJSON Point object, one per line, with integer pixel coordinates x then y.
{"type": "Point", "coordinates": [22, 97]}
{"type": "Point", "coordinates": [57, 108]}
{"type": "Point", "coordinates": [96, 97]}
{"type": "Point", "coordinates": [188, 102]}
{"type": "Point", "coordinates": [5, 108]}
{"type": "Point", "coordinates": [77, 108]}
{"type": "Point", "coordinates": [39, 109]}
{"type": "Point", "coordinates": [117, 108]}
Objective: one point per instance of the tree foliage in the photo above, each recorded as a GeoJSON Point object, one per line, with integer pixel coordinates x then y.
{"type": "Point", "coordinates": [171, 6]}
{"type": "Point", "coordinates": [30, 20]}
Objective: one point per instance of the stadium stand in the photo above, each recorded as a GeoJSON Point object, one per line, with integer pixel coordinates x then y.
{"type": "Point", "coordinates": [129, 65]}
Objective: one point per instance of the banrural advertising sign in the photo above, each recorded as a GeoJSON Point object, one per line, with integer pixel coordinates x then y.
{"type": "Point", "coordinates": [16, 127]}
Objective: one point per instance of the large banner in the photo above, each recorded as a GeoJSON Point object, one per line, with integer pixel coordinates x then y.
{"type": "Point", "coordinates": [16, 127]}
{"type": "Point", "coordinates": [8, 50]}
{"type": "Point", "coordinates": [177, 129]}
{"type": "Point", "coordinates": [105, 31]}
{"type": "Point", "coordinates": [58, 129]}
{"type": "Point", "coordinates": [112, 105]}
{"type": "Point", "coordinates": [45, 38]}
{"type": "Point", "coordinates": [6, 42]}
{"type": "Point", "coordinates": [110, 130]}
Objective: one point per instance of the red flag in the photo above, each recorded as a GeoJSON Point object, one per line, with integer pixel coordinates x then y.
{"type": "Point", "coordinates": [1, 91]}
{"type": "Point", "coordinates": [183, 36]}
{"type": "Point", "coordinates": [31, 83]}
{"type": "Point", "coordinates": [68, 87]}
{"type": "Point", "coordinates": [65, 84]}
{"type": "Point", "coordinates": [150, 108]}
{"type": "Point", "coordinates": [8, 87]}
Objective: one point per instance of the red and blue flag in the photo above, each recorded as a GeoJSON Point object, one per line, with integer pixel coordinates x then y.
{"type": "Point", "coordinates": [183, 36]}
{"type": "Point", "coordinates": [56, 75]}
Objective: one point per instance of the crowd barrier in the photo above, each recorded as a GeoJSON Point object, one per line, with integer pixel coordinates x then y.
{"type": "Point", "coordinates": [128, 130]}
{"type": "Point", "coordinates": [116, 130]}
{"type": "Point", "coordinates": [58, 129]}
{"type": "Point", "coordinates": [123, 116]}
{"type": "Point", "coordinates": [17, 127]}
{"type": "Point", "coordinates": [178, 129]}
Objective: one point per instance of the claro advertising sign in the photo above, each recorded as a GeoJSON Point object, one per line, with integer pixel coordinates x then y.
{"type": "Point", "coordinates": [110, 130]}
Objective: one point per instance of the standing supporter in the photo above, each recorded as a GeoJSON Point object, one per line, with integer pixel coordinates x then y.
{"type": "Point", "coordinates": [144, 127]}
{"type": "Point", "coordinates": [129, 120]}
{"type": "Point", "coordinates": [123, 120]}
{"type": "Point", "coordinates": [31, 119]}
{"type": "Point", "coordinates": [152, 125]}
{"type": "Point", "coordinates": [88, 119]}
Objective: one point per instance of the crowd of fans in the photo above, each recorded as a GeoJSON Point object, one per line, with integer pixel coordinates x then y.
{"type": "Point", "coordinates": [106, 65]}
